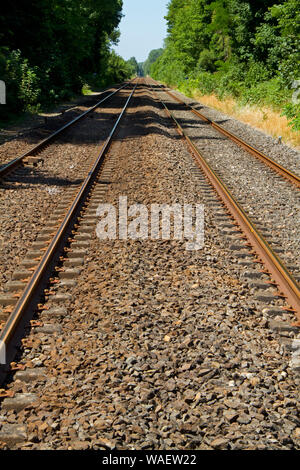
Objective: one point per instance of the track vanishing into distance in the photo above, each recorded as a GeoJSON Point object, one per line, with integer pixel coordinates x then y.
{"type": "Point", "coordinates": [280, 275]}
{"type": "Point", "coordinates": [28, 156]}
{"type": "Point", "coordinates": [284, 172]}
{"type": "Point", "coordinates": [50, 245]}
{"type": "Point", "coordinates": [140, 344]}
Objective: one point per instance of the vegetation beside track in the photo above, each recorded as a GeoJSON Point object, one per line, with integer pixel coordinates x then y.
{"type": "Point", "coordinates": [247, 51]}
{"type": "Point", "coordinates": [56, 51]}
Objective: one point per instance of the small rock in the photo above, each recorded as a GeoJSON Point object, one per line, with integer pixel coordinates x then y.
{"type": "Point", "coordinates": [106, 443]}
{"type": "Point", "coordinates": [254, 381]}
{"type": "Point", "coordinates": [100, 424]}
{"type": "Point", "coordinates": [230, 415]}
{"type": "Point", "coordinates": [232, 403]}
{"type": "Point", "coordinates": [244, 419]}
{"type": "Point", "coordinates": [297, 433]}
{"type": "Point", "coordinates": [79, 445]}
{"type": "Point", "coordinates": [219, 443]}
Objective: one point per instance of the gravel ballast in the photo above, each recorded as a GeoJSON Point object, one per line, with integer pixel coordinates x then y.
{"type": "Point", "coordinates": [272, 202]}
{"type": "Point", "coordinates": [282, 153]}
{"type": "Point", "coordinates": [157, 347]}
{"type": "Point", "coordinates": [29, 195]}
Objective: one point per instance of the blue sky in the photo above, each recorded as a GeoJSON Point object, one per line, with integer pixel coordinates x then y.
{"type": "Point", "coordinates": [143, 28]}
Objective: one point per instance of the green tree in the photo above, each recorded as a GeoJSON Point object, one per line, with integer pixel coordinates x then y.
{"type": "Point", "coordinates": [134, 67]}
{"type": "Point", "coordinates": [152, 57]}
{"type": "Point", "coordinates": [63, 43]}
{"type": "Point", "coordinates": [232, 47]}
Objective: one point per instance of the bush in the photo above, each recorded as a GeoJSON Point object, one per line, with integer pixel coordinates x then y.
{"type": "Point", "coordinates": [227, 85]}
{"type": "Point", "coordinates": [268, 93]}
{"type": "Point", "coordinates": [22, 83]}
{"type": "Point", "coordinates": [187, 86]}
{"type": "Point", "coordinates": [256, 72]}
{"type": "Point", "coordinates": [203, 81]}
{"type": "Point", "coordinates": [86, 90]}
{"type": "Point", "coordinates": [207, 61]}
{"type": "Point", "coordinates": [229, 79]}
{"type": "Point", "coordinates": [292, 112]}
{"type": "Point", "coordinates": [248, 83]}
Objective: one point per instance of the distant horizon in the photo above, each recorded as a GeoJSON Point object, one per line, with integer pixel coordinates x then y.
{"type": "Point", "coordinates": [143, 28]}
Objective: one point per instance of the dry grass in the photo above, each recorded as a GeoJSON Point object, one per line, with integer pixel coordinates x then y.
{"type": "Point", "coordinates": [263, 118]}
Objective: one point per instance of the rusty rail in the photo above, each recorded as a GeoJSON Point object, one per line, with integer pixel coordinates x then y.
{"type": "Point", "coordinates": [23, 311]}
{"type": "Point", "coordinates": [282, 171]}
{"type": "Point", "coordinates": [13, 164]}
{"type": "Point", "coordinates": [280, 276]}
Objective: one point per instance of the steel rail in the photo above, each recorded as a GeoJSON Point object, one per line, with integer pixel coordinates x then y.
{"type": "Point", "coordinates": [287, 174]}
{"type": "Point", "coordinates": [281, 277]}
{"type": "Point", "coordinates": [13, 164]}
{"type": "Point", "coordinates": [37, 280]}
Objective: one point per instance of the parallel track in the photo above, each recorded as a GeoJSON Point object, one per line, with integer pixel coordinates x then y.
{"type": "Point", "coordinates": [23, 311]}
{"type": "Point", "coordinates": [12, 331]}
{"type": "Point", "coordinates": [280, 275]}
{"type": "Point", "coordinates": [99, 336]}
{"type": "Point", "coordinates": [18, 161]}
{"type": "Point", "coordinates": [279, 169]}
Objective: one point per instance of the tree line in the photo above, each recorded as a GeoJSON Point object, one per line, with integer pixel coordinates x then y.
{"type": "Point", "coordinates": [143, 68]}
{"type": "Point", "coordinates": [245, 49]}
{"type": "Point", "coordinates": [50, 48]}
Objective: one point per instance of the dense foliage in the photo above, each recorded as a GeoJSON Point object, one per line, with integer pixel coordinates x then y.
{"type": "Point", "coordinates": [152, 57]}
{"type": "Point", "coordinates": [249, 50]}
{"type": "Point", "coordinates": [143, 68]}
{"type": "Point", "coordinates": [50, 48]}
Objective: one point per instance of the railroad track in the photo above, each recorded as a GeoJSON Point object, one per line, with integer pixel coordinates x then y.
{"type": "Point", "coordinates": [280, 276]}
{"type": "Point", "coordinates": [279, 169]}
{"type": "Point", "coordinates": [47, 251]}
{"type": "Point", "coordinates": [30, 155]}
{"type": "Point", "coordinates": [131, 340]}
